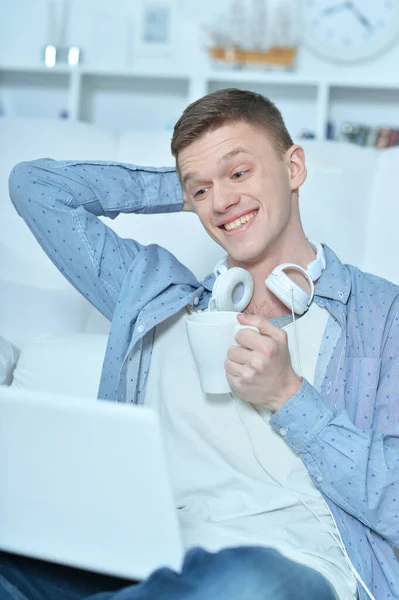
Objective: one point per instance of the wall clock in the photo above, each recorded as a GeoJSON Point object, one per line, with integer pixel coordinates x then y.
{"type": "Point", "coordinates": [349, 31]}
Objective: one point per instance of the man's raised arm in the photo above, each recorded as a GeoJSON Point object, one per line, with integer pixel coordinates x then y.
{"type": "Point", "coordinates": [61, 201]}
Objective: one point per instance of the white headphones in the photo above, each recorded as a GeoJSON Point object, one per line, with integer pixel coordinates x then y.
{"type": "Point", "coordinates": [233, 288]}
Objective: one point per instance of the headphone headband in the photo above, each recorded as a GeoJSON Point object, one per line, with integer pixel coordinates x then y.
{"type": "Point", "coordinates": [317, 266]}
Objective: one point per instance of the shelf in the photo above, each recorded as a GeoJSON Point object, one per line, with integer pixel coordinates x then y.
{"type": "Point", "coordinates": [297, 102]}
{"type": "Point", "coordinates": [150, 96]}
{"type": "Point", "coordinates": [100, 72]}
{"type": "Point", "coordinates": [375, 107]}
{"type": "Point", "coordinates": [36, 69]}
{"type": "Point", "coordinates": [216, 74]}
{"type": "Point", "coordinates": [137, 102]}
{"type": "Point", "coordinates": [366, 85]}
{"type": "Point", "coordinates": [262, 77]}
{"type": "Point", "coordinates": [28, 93]}
{"type": "Point", "coordinates": [134, 73]}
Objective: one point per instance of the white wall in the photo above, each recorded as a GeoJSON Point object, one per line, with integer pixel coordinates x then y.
{"type": "Point", "coordinates": [23, 32]}
{"type": "Point", "coordinates": [105, 30]}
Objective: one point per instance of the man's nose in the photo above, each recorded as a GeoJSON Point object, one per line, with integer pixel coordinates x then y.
{"type": "Point", "coordinates": [223, 199]}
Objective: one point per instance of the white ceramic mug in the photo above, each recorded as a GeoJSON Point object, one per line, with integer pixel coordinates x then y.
{"type": "Point", "coordinates": [210, 335]}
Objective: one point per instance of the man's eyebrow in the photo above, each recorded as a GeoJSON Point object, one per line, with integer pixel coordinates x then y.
{"type": "Point", "coordinates": [189, 176]}
{"type": "Point", "coordinates": [233, 153]}
{"type": "Point", "coordinates": [193, 175]}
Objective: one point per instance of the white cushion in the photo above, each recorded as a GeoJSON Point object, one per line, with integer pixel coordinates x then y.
{"type": "Point", "coordinates": [27, 139]}
{"type": "Point", "coordinates": [9, 355]}
{"type": "Point", "coordinates": [383, 218]}
{"type": "Point", "coordinates": [335, 199]}
{"type": "Point", "coordinates": [29, 310]}
{"type": "Point", "coordinates": [69, 364]}
{"type": "Point", "coordinates": [146, 148]}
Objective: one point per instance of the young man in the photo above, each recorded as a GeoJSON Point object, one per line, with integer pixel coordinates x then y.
{"type": "Point", "coordinates": [291, 490]}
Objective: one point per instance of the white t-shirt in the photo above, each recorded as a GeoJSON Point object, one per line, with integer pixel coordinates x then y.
{"type": "Point", "coordinates": [223, 496]}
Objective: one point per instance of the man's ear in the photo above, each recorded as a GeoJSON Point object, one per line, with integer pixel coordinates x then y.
{"type": "Point", "coordinates": [297, 167]}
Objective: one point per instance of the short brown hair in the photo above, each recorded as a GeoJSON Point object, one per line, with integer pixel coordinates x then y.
{"type": "Point", "coordinates": [228, 106]}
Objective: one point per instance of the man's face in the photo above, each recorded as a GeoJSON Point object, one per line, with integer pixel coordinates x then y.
{"type": "Point", "coordinates": [234, 172]}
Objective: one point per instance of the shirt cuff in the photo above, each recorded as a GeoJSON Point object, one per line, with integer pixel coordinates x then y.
{"type": "Point", "coordinates": [163, 192]}
{"type": "Point", "coordinates": [302, 417]}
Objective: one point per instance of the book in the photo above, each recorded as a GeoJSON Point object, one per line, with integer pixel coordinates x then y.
{"type": "Point", "coordinates": [383, 138]}
{"type": "Point", "coordinates": [393, 138]}
{"type": "Point", "coordinates": [371, 137]}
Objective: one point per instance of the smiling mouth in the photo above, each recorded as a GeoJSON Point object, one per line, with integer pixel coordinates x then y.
{"type": "Point", "coordinates": [239, 224]}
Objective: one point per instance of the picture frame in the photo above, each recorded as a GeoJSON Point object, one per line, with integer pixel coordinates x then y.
{"type": "Point", "coordinates": [155, 28]}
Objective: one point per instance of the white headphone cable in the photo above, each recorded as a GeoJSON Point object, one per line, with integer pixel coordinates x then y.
{"type": "Point", "coordinates": [338, 539]}
{"type": "Point", "coordinates": [298, 357]}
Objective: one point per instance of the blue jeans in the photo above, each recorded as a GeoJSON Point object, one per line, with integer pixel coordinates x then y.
{"type": "Point", "coordinates": [244, 573]}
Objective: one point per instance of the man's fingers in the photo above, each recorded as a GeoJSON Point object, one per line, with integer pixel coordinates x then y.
{"type": "Point", "coordinates": [239, 354]}
{"type": "Point", "coordinates": [265, 327]}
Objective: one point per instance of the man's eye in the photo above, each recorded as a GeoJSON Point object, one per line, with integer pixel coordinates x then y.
{"type": "Point", "coordinates": [200, 193]}
{"type": "Point", "coordinates": [238, 174]}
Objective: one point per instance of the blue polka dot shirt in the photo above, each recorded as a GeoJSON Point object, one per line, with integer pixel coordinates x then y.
{"type": "Point", "coordinates": [345, 427]}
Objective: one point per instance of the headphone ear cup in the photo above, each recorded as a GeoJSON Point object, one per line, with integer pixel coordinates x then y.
{"type": "Point", "coordinates": [233, 290]}
{"type": "Point", "coordinates": [284, 288]}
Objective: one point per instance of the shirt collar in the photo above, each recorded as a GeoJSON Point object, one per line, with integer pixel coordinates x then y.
{"type": "Point", "coordinates": [334, 282]}
{"type": "Point", "coordinates": [209, 281]}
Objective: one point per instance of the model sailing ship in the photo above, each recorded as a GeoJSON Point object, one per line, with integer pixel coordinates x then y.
{"type": "Point", "coordinates": [257, 32]}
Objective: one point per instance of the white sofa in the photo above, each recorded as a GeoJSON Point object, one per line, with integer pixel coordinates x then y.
{"type": "Point", "coordinates": [350, 201]}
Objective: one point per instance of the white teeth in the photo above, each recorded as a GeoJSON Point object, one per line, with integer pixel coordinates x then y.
{"type": "Point", "coordinates": [239, 222]}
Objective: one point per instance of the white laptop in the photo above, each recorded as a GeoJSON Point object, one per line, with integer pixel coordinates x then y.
{"type": "Point", "coordinates": [85, 483]}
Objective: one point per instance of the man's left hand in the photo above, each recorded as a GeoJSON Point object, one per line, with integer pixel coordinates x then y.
{"type": "Point", "coordinates": [259, 370]}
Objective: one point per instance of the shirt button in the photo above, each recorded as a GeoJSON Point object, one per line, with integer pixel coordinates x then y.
{"type": "Point", "coordinates": [319, 478]}
{"type": "Point", "coordinates": [196, 301]}
{"type": "Point", "coordinates": [283, 431]}
{"type": "Point", "coordinates": [140, 329]}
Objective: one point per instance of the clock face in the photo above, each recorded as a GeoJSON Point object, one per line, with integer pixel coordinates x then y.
{"type": "Point", "coordinates": [349, 31]}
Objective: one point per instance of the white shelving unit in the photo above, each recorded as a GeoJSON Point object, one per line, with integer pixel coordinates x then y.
{"type": "Point", "coordinates": [154, 99]}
